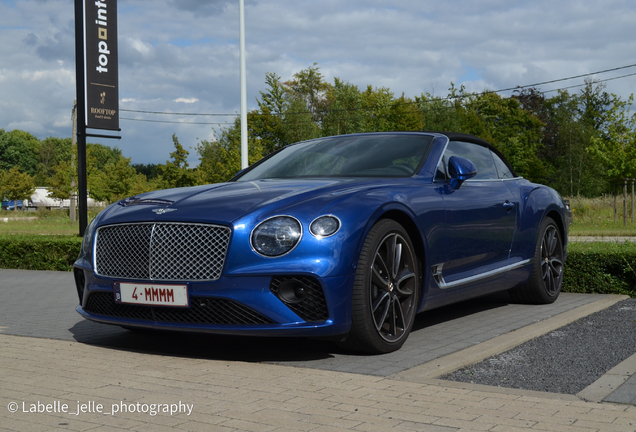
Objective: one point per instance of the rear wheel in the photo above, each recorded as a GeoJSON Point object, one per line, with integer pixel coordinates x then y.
{"type": "Point", "coordinates": [385, 292]}
{"type": "Point", "coordinates": [546, 278]}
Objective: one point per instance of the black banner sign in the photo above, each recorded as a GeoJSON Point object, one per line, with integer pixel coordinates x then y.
{"type": "Point", "coordinates": [100, 60]}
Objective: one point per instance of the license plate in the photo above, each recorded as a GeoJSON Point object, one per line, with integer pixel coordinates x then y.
{"type": "Point", "coordinates": [151, 294]}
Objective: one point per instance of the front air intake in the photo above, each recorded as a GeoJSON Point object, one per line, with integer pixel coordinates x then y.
{"type": "Point", "coordinates": [80, 283]}
{"type": "Point", "coordinates": [303, 295]}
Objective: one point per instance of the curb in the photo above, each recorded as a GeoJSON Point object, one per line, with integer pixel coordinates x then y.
{"type": "Point", "coordinates": [611, 381]}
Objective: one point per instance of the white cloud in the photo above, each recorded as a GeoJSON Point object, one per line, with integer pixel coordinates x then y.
{"type": "Point", "coordinates": [172, 48]}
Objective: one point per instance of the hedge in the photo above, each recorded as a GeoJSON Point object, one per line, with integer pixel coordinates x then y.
{"type": "Point", "coordinates": [606, 268]}
{"type": "Point", "coordinates": [39, 252]}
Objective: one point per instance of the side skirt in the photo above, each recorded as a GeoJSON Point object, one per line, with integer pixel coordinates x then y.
{"type": "Point", "coordinates": [439, 277]}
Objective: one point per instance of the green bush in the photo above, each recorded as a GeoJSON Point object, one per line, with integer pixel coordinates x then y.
{"type": "Point", "coordinates": [39, 252]}
{"type": "Point", "coordinates": [604, 268]}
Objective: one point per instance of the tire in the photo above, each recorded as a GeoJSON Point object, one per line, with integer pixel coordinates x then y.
{"type": "Point", "coordinates": [385, 291]}
{"type": "Point", "coordinates": [546, 278]}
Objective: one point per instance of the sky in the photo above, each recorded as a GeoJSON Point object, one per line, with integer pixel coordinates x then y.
{"type": "Point", "coordinates": [183, 56]}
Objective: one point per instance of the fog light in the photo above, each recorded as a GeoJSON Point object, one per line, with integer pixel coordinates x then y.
{"type": "Point", "coordinates": [292, 291]}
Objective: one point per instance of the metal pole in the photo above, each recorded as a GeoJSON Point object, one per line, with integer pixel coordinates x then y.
{"type": "Point", "coordinates": [615, 194]}
{"type": "Point", "coordinates": [625, 202]}
{"type": "Point", "coordinates": [632, 201]}
{"type": "Point", "coordinates": [81, 115]}
{"type": "Point", "coordinates": [244, 160]}
{"type": "Point", "coordinates": [72, 208]}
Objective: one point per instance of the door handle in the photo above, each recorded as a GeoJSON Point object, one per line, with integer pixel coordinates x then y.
{"type": "Point", "coordinates": [508, 205]}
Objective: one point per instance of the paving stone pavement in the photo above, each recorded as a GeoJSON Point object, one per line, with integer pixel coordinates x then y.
{"type": "Point", "coordinates": [50, 355]}
{"type": "Point", "coordinates": [626, 393]}
{"type": "Point", "coordinates": [41, 303]}
{"type": "Point", "coordinates": [220, 395]}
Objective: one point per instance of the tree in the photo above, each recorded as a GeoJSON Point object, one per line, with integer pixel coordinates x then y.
{"type": "Point", "coordinates": [61, 180]}
{"type": "Point", "coordinates": [16, 185]}
{"type": "Point", "coordinates": [19, 149]}
{"type": "Point", "coordinates": [574, 170]}
{"type": "Point", "coordinates": [221, 159]}
{"type": "Point", "coordinates": [344, 115]}
{"type": "Point", "coordinates": [617, 147]}
{"type": "Point", "coordinates": [513, 131]}
{"type": "Point", "coordinates": [141, 184]}
{"type": "Point", "coordinates": [52, 151]}
{"type": "Point", "coordinates": [405, 116]}
{"type": "Point", "coordinates": [151, 171]}
{"type": "Point", "coordinates": [298, 123]}
{"type": "Point", "coordinates": [309, 87]}
{"type": "Point", "coordinates": [114, 182]}
{"type": "Point", "coordinates": [99, 155]}
{"type": "Point", "coordinates": [267, 126]}
{"type": "Point", "coordinates": [377, 109]}
{"type": "Point", "coordinates": [443, 114]}
{"type": "Point", "coordinates": [595, 103]}
{"type": "Point", "coordinates": [175, 173]}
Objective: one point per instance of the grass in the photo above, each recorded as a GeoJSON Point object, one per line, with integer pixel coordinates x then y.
{"type": "Point", "coordinates": [602, 247]}
{"type": "Point", "coordinates": [41, 222]}
{"type": "Point", "coordinates": [595, 217]}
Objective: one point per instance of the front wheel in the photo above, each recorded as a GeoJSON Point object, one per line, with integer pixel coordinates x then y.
{"type": "Point", "coordinates": [546, 278]}
{"type": "Point", "coordinates": [385, 292]}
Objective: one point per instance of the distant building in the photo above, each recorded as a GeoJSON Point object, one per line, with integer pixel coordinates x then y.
{"type": "Point", "coordinates": [41, 200]}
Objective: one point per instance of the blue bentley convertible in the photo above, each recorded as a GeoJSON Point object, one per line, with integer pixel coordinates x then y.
{"type": "Point", "coordinates": [347, 236]}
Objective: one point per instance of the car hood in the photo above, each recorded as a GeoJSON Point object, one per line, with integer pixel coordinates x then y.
{"type": "Point", "coordinates": [224, 202]}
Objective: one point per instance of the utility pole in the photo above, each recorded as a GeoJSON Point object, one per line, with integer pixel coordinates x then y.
{"type": "Point", "coordinates": [625, 202]}
{"type": "Point", "coordinates": [81, 116]}
{"type": "Point", "coordinates": [632, 201]}
{"type": "Point", "coordinates": [244, 159]}
{"type": "Point", "coordinates": [72, 206]}
{"type": "Point", "coordinates": [93, 82]}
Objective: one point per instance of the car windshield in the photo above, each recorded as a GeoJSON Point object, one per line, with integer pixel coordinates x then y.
{"type": "Point", "coordinates": [382, 155]}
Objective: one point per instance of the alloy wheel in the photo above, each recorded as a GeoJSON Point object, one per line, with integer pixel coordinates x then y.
{"type": "Point", "coordinates": [393, 285]}
{"type": "Point", "coordinates": [552, 260]}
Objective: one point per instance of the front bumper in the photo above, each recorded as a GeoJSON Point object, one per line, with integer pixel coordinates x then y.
{"type": "Point", "coordinates": [231, 305]}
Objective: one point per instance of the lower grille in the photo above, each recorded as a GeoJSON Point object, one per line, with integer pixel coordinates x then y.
{"type": "Point", "coordinates": [203, 310]}
{"type": "Point", "coordinates": [312, 306]}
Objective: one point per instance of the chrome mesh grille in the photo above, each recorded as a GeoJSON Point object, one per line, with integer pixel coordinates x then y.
{"type": "Point", "coordinates": [161, 251]}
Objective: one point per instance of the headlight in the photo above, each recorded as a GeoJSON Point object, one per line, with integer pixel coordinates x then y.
{"type": "Point", "coordinates": [276, 236]}
{"type": "Point", "coordinates": [87, 241]}
{"type": "Point", "coordinates": [324, 226]}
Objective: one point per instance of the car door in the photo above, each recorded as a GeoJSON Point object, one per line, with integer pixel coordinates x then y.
{"type": "Point", "coordinates": [480, 221]}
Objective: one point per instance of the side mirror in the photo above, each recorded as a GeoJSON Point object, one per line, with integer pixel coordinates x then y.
{"type": "Point", "coordinates": [460, 170]}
